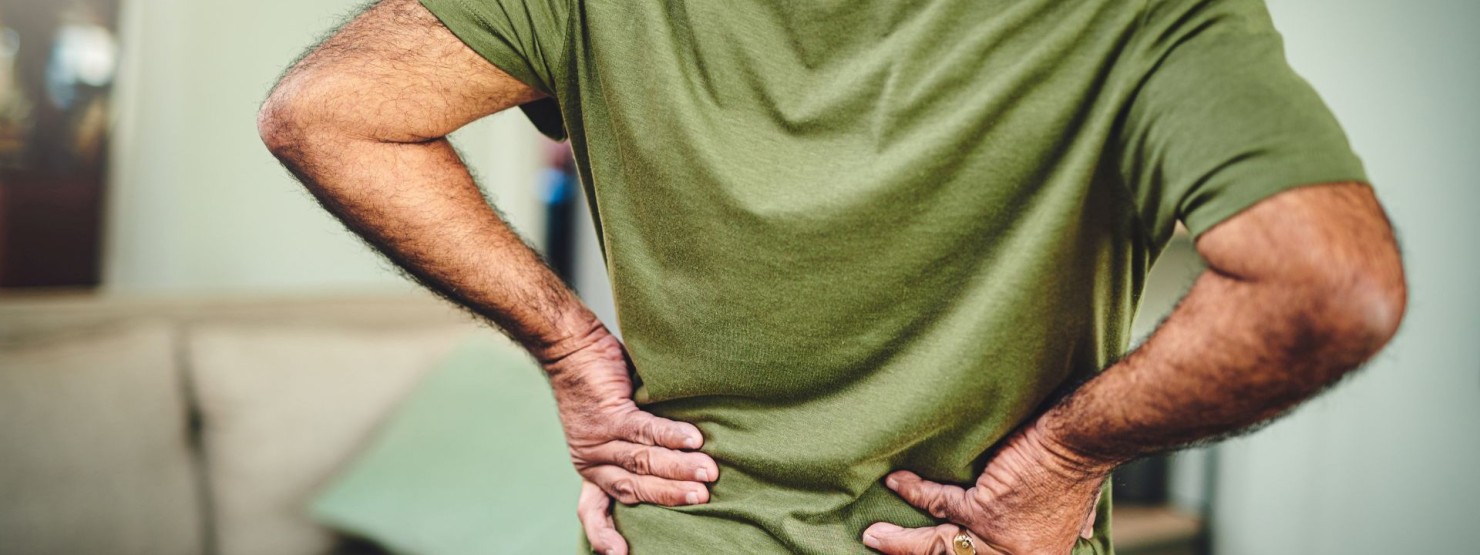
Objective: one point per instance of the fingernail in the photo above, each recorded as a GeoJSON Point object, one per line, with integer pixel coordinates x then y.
{"type": "Point", "coordinates": [691, 497]}
{"type": "Point", "coordinates": [692, 442]}
{"type": "Point", "coordinates": [871, 541]}
{"type": "Point", "coordinates": [892, 482]}
{"type": "Point", "coordinates": [702, 475]}
{"type": "Point", "coordinates": [611, 552]}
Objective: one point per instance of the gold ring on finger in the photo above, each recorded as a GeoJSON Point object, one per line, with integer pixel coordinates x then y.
{"type": "Point", "coordinates": [962, 544]}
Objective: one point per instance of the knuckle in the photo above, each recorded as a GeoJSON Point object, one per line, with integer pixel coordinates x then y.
{"type": "Point", "coordinates": [938, 506]}
{"type": "Point", "coordinates": [671, 496]}
{"type": "Point", "coordinates": [638, 460]}
{"type": "Point", "coordinates": [634, 428]}
{"type": "Point", "coordinates": [625, 490]}
{"type": "Point", "coordinates": [940, 543]}
{"type": "Point", "coordinates": [656, 493]}
{"type": "Point", "coordinates": [645, 461]}
{"type": "Point", "coordinates": [652, 430]}
{"type": "Point", "coordinates": [580, 458]}
{"type": "Point", "coordinates": [672, 431]}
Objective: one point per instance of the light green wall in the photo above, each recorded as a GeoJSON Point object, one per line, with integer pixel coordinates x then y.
{"type": "Point", "coordinates": [197, 204]}
{"type": "Point", "coordinates": [1388, 462]}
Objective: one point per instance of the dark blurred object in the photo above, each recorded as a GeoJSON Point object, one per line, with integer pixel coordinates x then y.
{"type": "Point", "coordinates": [560, 184]}
{"type": "Point", "coordinates": [1143, 482]}
{"type": "Point", "coordinates": [1156, 531]}
{"type": "Point", "coordinates": [356, 546]}
{"type": "Point", "coordinates": [58, 60]}
{"type": "Point", "coordinates": [1144, 522]}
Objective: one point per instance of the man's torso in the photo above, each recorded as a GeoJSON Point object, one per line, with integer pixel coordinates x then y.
{"type": "Point", "coordinates": [850, 238]}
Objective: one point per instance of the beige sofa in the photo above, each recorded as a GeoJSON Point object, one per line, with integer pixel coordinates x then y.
{"type": "Point", "coordinates": [206, 425]}
{"type": "Point", "coordinates": [200, 425]}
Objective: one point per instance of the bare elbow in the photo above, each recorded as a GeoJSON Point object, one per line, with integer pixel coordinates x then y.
{"type": "Point", "coordinates": [280, 123]}
{"type": "Point", "coordinates": [300, 120]}
{"type": "Point", "coordinates": [1360, 308]}
{"type": "Point", "coordinates": [1380, 302]}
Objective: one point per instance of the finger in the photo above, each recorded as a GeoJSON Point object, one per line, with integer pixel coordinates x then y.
{"type": "Point", "coordinates": [641, 427]}
{"type": "Point", "coordinates": [1088, 530]}
{"type": "Point", "coordinates": [934, 540]}
{"type": "Point", "coordinates": [941, 500]}
{"type": "Point", "coordinates": [594, 509]}
{"type": "Point", "coordinates": [654, 461]}
{"type": "Point", "coordinates": [631, 489]}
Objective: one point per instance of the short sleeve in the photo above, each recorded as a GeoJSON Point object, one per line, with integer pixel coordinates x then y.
{"type": "Point", "coordinates": [528, 39]}
{"type": "Point", "coordinates": [1220, 121]}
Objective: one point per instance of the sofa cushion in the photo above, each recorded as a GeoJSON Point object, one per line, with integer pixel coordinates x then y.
{"type": "Point", "coordinates": [474, 461]}
{"type": "Point", "coordinates": [283, 407]}
{"type": "Point", "coordinates": [93, 429]}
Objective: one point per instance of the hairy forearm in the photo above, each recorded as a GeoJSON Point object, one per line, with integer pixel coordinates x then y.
{"type": "Point", "coordinates": [1260, 331]}
{"type": "Point", "coordinates": [417, 204]}
{"type": "Point", "coordinates": [1233, 354]}
{"type": "Point", "coordinates": [362, 121]}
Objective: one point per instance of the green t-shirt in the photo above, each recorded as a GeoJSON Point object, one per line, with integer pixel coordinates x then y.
{"type": "Point", "coordinates": [852, 237]}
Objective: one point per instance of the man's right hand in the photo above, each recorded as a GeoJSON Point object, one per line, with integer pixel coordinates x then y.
{"type": "Point", "coordinates": [621, 451]}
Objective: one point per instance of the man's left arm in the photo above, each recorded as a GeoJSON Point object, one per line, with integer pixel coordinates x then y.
{"type": "Point", "coordinates": [1300, 289]}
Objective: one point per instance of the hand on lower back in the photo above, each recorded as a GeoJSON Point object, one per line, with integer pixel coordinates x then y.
{"type": "Point", "coordinates": [1033, 498]}
{"type": "Point", "coordinates": [621, 451]}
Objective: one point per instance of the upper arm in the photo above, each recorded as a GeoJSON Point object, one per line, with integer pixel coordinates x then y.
{"type": "Point", "coordinates": [1330, 246]}
{"type": "Point", "coordinates": [392, 74]}
{"type": "Point", "coordinates": [1222, 134]}
{"type": "Point", "coordinates": [1217, 120]}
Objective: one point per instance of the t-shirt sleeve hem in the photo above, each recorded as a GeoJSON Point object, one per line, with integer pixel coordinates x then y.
{"type": "Point", "coordinates": [458, 18]}
{"type": "Point", "coordinates": [462, 21]}
{"type": "Point", "coordinates": [1236, 200]}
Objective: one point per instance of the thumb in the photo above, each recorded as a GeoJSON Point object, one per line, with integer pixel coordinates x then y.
{"type": "Point", "coordinates": [894, 540]}
{"type": "Point", "coordinates": [594, 510]}
{"type": "Point", "coordinates": [1088, 530]}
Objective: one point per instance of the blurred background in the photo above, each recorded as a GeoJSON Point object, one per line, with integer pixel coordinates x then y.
{"type": "Point", "coordinates": [196, 358]}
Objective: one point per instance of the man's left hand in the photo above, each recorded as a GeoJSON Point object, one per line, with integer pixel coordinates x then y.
{"type": "Point", "coordinates": [1035, 497]}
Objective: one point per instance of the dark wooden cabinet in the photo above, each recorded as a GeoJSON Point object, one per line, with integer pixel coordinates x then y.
{"type": "Point", "coordinates": [57, 65]}
{"type": "Point", "coordinates": [50, 229]}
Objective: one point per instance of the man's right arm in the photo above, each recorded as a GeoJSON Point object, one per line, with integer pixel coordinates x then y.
{"type": "Point", "coordinates": [362, 120]}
